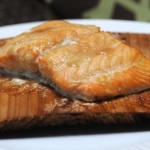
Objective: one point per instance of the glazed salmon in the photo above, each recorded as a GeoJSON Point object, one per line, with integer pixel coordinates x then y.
{"type": "Point", "coordinates": [79, 62]}
{"type": "Point", "coordinates": [22, 52]}
{"type": "Point", "coordinates": [97, 67]}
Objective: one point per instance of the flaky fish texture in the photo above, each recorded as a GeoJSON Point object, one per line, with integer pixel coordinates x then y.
{"type": "Point", "coordinates": [78, 61]}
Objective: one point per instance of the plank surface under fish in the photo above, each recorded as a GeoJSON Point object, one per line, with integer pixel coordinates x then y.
{"type": "Point", "coordinates": [25, 103]}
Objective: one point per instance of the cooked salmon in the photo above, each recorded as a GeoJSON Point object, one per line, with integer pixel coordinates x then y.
{"type": "Point", "coordinates": [79, 62]}
{"type": "Point", "coordinates": [22, 52]}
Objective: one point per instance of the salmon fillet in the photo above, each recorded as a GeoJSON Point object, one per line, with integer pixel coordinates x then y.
{"type": "Point", "coordinates": [79, 62]}
{"type": "Point", "coordinates": [23, 51]}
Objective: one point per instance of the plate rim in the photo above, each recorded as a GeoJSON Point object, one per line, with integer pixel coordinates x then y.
{"type": "Point", "coordinates": [105, 24]}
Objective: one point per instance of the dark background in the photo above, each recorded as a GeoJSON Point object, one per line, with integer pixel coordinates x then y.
{"type": "Point", "coordinates": [20, 11]}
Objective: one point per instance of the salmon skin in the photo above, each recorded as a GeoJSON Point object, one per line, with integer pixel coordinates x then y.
{"type": "Point", "coordinates": [78, 61]}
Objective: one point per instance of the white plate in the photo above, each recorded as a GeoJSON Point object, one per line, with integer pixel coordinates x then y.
{"type": "Point", "coordinates": [94, 141]}
{"type": "Point", "coordinates": [107, 25]}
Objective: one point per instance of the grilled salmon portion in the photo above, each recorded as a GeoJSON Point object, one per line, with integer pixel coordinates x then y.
{"type": "Point", "coordinates": [79, 62]}
{"type": "Point", "coordinates": [23, 52]}
{"type": "Point", "coordinates": [98, 66]}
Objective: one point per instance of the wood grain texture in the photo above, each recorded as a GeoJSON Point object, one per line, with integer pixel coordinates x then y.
{"type": "Point", "coordinates": [30, 104]}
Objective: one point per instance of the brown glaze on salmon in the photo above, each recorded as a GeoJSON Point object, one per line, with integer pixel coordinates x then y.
{"type": "Point", "coordinates": [79, 62]}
